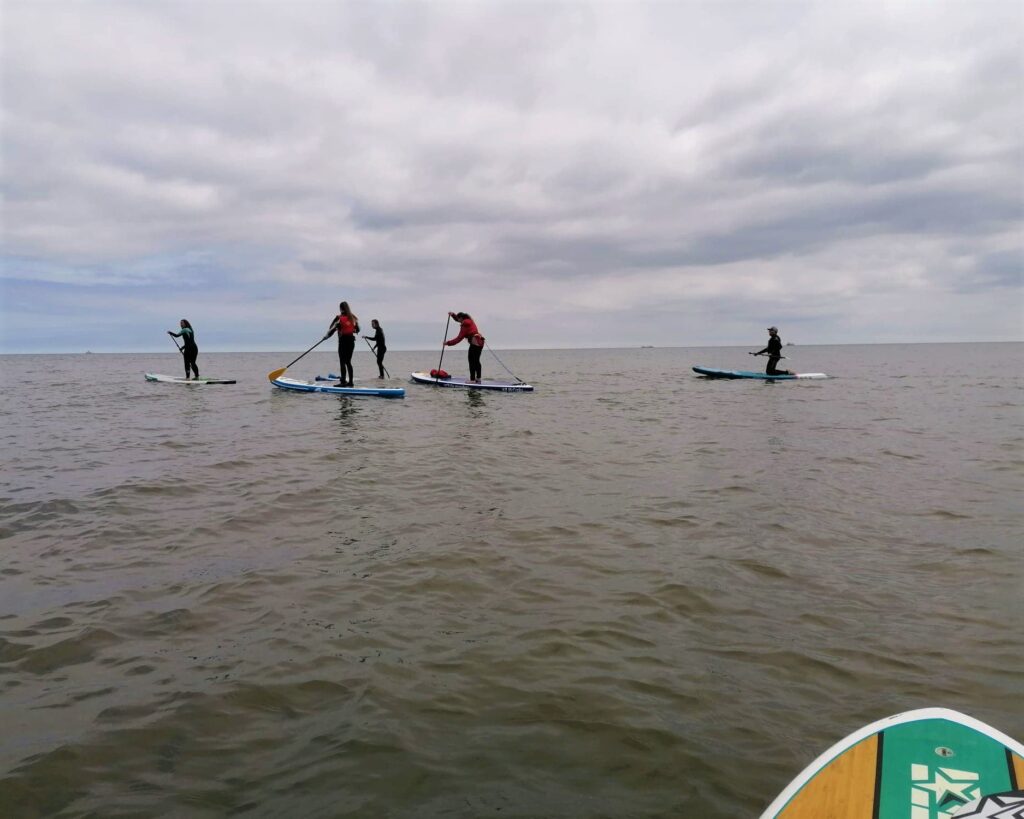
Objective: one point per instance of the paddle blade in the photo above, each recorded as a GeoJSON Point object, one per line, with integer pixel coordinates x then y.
{"type": "Point", "coordinates": [275, 374]}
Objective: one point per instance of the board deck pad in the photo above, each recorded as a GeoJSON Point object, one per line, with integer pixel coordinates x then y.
{"type": "Point", "coordinates": [295, 385]}
{"type": "Point", "coordinates": [177, 379]}
{"type": "Point", "coordinates": [714, 372]}
{"type": "Point", "coordinates": [461, 382]}
{"type": "Point", "coordinates": [997, 806]}
{"type": "Point", "coordinates": [925, 764]}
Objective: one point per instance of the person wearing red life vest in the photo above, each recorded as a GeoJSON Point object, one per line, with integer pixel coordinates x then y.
{"type": "Point", "coordinates": [346, 325]}
{"type": "Point", "coordinates": [468, 330]}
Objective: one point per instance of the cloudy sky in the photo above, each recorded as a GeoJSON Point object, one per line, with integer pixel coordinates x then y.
{"type": "Point", "coordinates": [573, 175]}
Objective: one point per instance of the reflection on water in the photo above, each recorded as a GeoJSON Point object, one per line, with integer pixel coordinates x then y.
{"type": "Point", "coordinates": [347, 411]}
{"type": "Point", "coordinates": [476, 403]}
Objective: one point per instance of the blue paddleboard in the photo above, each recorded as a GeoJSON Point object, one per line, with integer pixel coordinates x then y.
{"type": "Point", "coordinates": [712, 372]}
{"type": "Point", "coordinates": [294, 385]}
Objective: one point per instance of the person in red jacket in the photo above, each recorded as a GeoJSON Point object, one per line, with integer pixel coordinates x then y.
{"type": "Point", "coordinates": [468, 330]}
{"type": "Point", "coordinates": [346, 324]}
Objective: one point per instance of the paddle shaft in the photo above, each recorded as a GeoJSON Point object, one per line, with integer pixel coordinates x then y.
{"type": "Point", "coordinates": [277, 373]}
{"type": "Point", "coordinates": [767, 355]}
{"type": "Point", "coordinates": [175, 343]}
{"type": "Point", "coordinates": [374, 351]}
{"type": "Point", "coordinates": [443, 345]}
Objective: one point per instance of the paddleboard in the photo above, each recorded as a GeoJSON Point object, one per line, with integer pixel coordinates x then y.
{"type": "Point", "coordinates": [460, 382]}
{"type": "Point", "coordinates": [295, 385]}
{"type": "Point", "coordinates": [177, 379]}
{"type": "Point", "coordinates": [924, 764]}
{"type": "Point", "coordinates": [711, 372]}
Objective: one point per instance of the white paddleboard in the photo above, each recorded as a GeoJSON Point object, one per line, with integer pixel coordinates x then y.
{"type": "Point", "coordinates": [460, 382]}
{"type": "Point", "coordinates": [192, 382]}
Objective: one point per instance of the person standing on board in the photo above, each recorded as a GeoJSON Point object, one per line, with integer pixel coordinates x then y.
{"type": "Point", "coordinates": [468, 330]}
{"type": "Point", "coordinates": [774, 350]}
{"type": "Point", "coordinates": [346, 324]}
{"type": "Point", "coordinates": [190, 351]}
{"type": "Point", "coordinates": [379, 347]}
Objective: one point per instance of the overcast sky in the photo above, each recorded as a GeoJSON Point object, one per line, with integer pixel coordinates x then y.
{"type": "Point", "coordinates": [578, 174]}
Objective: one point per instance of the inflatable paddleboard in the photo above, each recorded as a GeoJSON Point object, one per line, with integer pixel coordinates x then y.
{"type": "Point", "coordinates": [924, 764]}
{"type": "Point", "coordinates": [295, 385]}
{"type": "Point", "coordinates": [177, 379]}
{"type": "Point", "coordinates": [459, 382]}
{"type": "Point", "coordinates": [711, 372]}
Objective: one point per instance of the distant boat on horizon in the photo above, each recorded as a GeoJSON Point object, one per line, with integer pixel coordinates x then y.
{"type": "Point", "coordinates": [646, 346]}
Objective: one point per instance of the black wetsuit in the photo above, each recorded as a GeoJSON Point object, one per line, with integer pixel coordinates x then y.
{"type": "Point", "coordinates": [190, 351]}
{"type": "Point", "coordinates": [346, 346]}
{"type": "Point", "coordinates": [774, 350]}
{"type": "Point", "coordinates": [379, 348]}
{"type": "Point", "coordinates": [475, 370]}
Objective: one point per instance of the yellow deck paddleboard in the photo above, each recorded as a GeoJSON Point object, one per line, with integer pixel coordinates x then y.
{"type": "Point", "coordinates": [925, 764]}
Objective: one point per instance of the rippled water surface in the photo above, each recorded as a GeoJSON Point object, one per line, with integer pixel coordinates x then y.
{"type": "Point", "coordinates": [633, 593]}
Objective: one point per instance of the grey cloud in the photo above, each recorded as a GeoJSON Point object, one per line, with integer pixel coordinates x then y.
{"type": "Point", "coordinates": [470, 149]}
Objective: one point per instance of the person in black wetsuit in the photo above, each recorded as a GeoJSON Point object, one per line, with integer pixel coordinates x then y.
{"type": "Point", "coordinates": [379, 347]}
{"type": "Point", "coordinates": [774, 351]}
{"type": "Point", "coordinates": [190, 351]}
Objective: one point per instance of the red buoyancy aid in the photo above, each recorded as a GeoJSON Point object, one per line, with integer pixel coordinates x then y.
{"type": "Point", "coordinates": [347, 325]}
{"type": "Point", "coordinates": [468, 330]}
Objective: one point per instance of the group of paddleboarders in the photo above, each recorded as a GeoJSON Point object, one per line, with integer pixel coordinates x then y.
{"type": "Point", "coordinates": [346, 325]}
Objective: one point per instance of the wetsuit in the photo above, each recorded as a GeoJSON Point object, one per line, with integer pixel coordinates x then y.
{"type": "Point", "coordinates": [774, 350]}
{"type": "Point", "coordinates": [190, 351]}
{"type": "Point", "coordinates": [469, 331]}
{"type": "Point", "coordinates": [379, 348]}
{"type": "Point", "coordinates": [347, 327]}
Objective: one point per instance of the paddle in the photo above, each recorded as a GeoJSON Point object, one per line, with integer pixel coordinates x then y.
{"type": "Point", "coordinates": [175, 343]}
{"type": "Point", "coordinates": [277, 373]}
{"type": "Point", "coordinates": [374, 351]}
{"type": "Point", "coordinates": [502, 363]}
{"type": "Point", "coordinates": [766, 355]}
{"type": "Point", "coordinates": [443, 345]}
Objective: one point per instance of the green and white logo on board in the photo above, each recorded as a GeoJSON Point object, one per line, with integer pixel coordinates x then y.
{"type": "Point", "coordinates": [937, 793]}
{"type": "Point", "coordinates": [942, 778]}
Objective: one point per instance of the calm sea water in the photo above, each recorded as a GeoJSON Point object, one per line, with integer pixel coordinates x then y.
{"type": "Point", "coordinates": [633, 593]}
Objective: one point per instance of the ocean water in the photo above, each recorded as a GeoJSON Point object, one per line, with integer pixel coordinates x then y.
{"type": "Point", "coordinates": [632, 593]}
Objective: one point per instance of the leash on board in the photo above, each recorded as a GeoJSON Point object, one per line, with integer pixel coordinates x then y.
{"type": "Point", "coordinates": [502, 363]}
